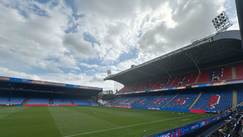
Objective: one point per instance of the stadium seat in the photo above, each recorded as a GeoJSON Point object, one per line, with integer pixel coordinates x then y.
{"type": "Point", "coordinates": [4, 100]}
{"type": "Point", "coordinates": [203, 77]}
{"type": "Point", "coordinates": [83, 102]}
{"type": "Point", "coordinates": [239, 71]}
{"type": "Point", "coordinates": [240, 96]}
{"type": "Point", "coordinates": [61, 101]}
{"type": "Point", "coordinates": [38, 101]}
{"type": "Point", "coordinates": [16, 100]}
{"type": "Point", "coordinates": [210, 101]}
{"type": "Point", "coordinates": [11, 100]}
{"type": "Point", "coordinates": [227, 74]}
{"type": "Point", "coordinates": [214, 101]}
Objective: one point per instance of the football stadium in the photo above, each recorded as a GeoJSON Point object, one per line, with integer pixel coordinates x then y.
{"type": "Point", "coordinates": [196, 90]}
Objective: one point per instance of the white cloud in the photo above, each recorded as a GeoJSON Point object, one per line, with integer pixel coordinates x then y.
{"type": "Point", "coordinates": [193, 21]}
{"type": "Point", "coordinates": [29, 41]}
{"type": "Point", "coordinates": [11, 73]}
{"type": "Point", "coordinates": [35, 46]}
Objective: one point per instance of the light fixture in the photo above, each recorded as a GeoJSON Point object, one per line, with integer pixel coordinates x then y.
{"type": "Point", "coordinates": [221, 22]}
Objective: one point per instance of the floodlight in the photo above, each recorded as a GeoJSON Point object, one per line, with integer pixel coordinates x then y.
{"type": "Point", "coordinates": [221, 22]}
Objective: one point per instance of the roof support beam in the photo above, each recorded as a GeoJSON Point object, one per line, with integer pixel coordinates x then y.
{"type": "Point", "coordinates": [194, 62]}
{"type": "Point", "coordinates": [168, 73]}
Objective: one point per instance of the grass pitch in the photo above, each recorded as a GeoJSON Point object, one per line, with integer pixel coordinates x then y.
{"type": "Point", "coordinates": [87, 121]}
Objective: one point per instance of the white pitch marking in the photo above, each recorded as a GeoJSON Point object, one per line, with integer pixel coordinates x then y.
{"type": "Point", "coordinates": [122, 127]}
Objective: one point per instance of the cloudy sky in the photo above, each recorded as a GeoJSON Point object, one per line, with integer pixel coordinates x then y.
{"type": "Point", "coordinates": [76, 41]}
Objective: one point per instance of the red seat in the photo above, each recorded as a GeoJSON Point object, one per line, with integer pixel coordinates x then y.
{"type": "Point", "coordinates": [203, 77]}
{"type": "Point", "coordinates": [214, 100]}
{"type": "Point", "coordinates": [227, 73]}
{"type": "Point", "coordinates": [239, 71]}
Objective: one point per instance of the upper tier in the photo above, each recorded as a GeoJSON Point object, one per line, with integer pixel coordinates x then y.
{"type": "Point", "coordinates": [219, 49]}
{"type": "Point", "coordinates": [221, 75]}
{"type": "Point", "coordinates": [206, 62]}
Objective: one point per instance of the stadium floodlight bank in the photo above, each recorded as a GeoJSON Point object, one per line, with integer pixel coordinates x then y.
{"type": "Point", "coordinates": [221, 22]}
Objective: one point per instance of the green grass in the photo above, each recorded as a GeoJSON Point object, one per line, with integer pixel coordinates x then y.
{"type": "Point", "coordinates": [87, 121]}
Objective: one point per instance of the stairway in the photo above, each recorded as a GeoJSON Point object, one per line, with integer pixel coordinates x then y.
{"type": "Point", "coordinates": [170, 101]}
{"type": "Point", "coordinates": [198, 76]}
{"type": "Point", "coordinates": [234, 98]}
{"type": "Point", "coordinates": [234, 72]}
{"type": "Point", "coordinates": [25, 101]}
{"type": "Point", "coordinates": [195, 101]}
{"type": "Point", "coordinates": [72, 102]}
{"type": "Point", "coordinates": [51, 101]}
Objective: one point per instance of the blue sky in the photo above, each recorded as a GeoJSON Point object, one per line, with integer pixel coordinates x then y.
{"type": "Point", "coordinates": [77, 41]}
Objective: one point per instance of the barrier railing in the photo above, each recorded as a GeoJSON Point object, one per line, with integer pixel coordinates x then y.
{"type": "Point", "coordinates": [190, 128]}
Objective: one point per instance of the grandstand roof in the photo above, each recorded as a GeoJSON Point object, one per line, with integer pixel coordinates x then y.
{"type": "Point", "coordinates": [18, 84]}
{"type": "Point", "coordinates": [224, 47]}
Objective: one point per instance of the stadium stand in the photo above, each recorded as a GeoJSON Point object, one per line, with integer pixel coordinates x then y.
{"type": "Point", "coordinates": [239, 71]}
{"type": "Point", "coordinates": [182, 101]}
{"type": "Point", "coordinates": [4, 100]}
{"type": "Point", "coordinates": [31, 101]}
{"type": "Point", "coordinates": [16, 100]}
{"type": "Point", "coordinates": [212, 75]}
{"type": "Point", "coordinates": [23, 92]}
{"type": "Point", "coordinates": [214, 100]}
{"type": "Point", "coordinates": [38, 101]}
{"type": "Point", "coordinates": [11, 101]}
{"type": "Point", "coordinates": [83, 102]}
{"type": "Point", "coordinates": [211, 81]}
{"type": "Point", "coordinates": [240, 96]}
{"type": "Point", "coordinates": [61, 101]}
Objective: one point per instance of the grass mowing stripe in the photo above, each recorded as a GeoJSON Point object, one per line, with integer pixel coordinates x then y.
{"type": "Point", "coordinates": [123, 117]}
{"type": "Point", "coordinates": [122, 127]}
{"type": "Point", "coordinates": [30, 122]}
{"type": "Point", "coordinates": [69, 121]}
{"type": "Point", "coordinates": [88, 122]}
{"type": "Point", "coordinates": [53, 120]}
